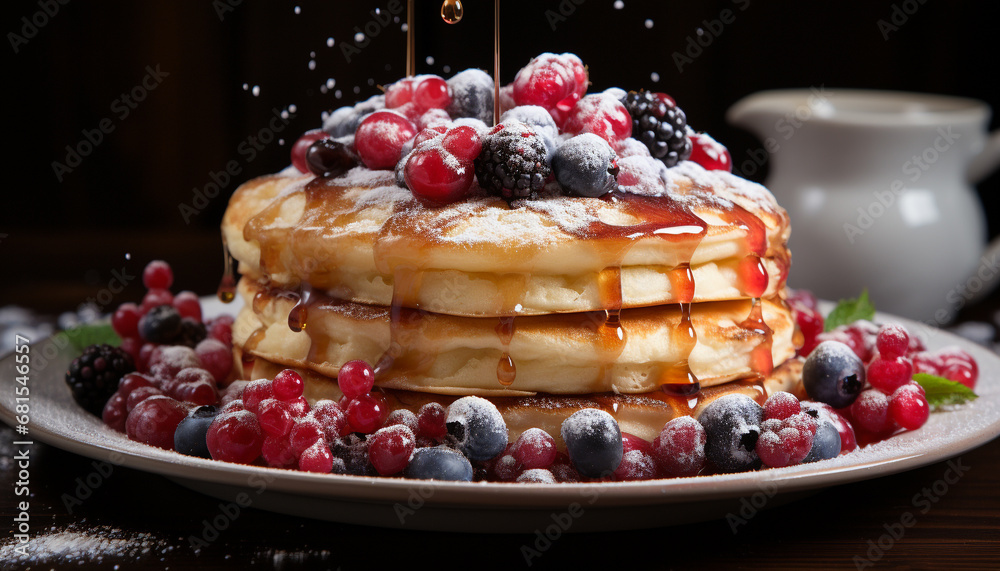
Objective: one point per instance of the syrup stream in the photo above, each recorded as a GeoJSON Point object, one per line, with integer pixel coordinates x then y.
{"type": "Point", "coordinates": [411, 41]}
{"type": "Point", "coordinates": [496, 62]}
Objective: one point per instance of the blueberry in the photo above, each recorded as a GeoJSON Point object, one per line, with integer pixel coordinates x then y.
{"type": "Point", "coordinates": [833, 374]}
{"type": "Point", "coordinates": [439, 463]}
{"type": "Point", "coordinates": [478, 428]}
{"type": "Point", "coordinates": [593, 441]}
{"type": "Point", "coordinates": [189, 438]}
{"type": "Point", "coordinates": [585, 165]}
{"type": "Point", "coordinates": [472, 95]}
{"type": "Point", "coordinates": [160, 325]}
{"type": "Point", "coordinates": [344, 121]}
{"type": "Point", "coordinates": [826, 443]}
{"type": "Point", "coordinates": [732, 424]}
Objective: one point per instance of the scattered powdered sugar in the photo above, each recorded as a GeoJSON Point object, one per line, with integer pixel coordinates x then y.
{"type": "Point", "coordinates": [741, 187]}
{"type": "Point", "coordinates": [536, 476]}
{"type": "Point", "coordinates": [75, 547]}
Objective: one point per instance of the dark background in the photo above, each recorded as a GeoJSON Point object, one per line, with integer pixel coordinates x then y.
{"type": "Point", "coordinates": [60, 241]}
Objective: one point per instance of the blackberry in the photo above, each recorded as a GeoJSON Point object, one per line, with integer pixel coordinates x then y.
{"type": "Point", "coordinates": [660, 125]}
{"type": "Point", "coordinates": [192, 332]}
{"type": "Point", "coordinates": [513, 161]}
{"type": "Point", "coordinates": [93, 376]}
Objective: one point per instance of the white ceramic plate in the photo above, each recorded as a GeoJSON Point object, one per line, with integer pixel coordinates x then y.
{"type": "Point", "coordinates": [486, 507]}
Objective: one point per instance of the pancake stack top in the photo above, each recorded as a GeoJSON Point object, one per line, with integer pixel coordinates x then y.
{"type": "Point", "coordinates": [588, 255]}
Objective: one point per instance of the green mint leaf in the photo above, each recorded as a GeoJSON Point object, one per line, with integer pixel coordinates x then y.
{"type": "Point", "coordinates": [84, 336]}
{"type": "Point", "coordinates": [942, 392]}
{"type": "Point", "coordinates": [850, 310]}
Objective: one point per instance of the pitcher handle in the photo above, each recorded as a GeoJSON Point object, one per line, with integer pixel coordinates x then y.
{"type": "Point", "coordinates": [987, 160]}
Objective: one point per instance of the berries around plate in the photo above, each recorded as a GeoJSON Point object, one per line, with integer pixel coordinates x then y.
{"type": "Point", "coordinates": [732, 425]}
{"type": "Point", "coordinates": [593, 442]}
{"type": "Point", "coordinates": [439, 463]}
{"type": "Point", "coordinates": [833, 374]}
{"type": "Point", "coordinates": [478, 427]}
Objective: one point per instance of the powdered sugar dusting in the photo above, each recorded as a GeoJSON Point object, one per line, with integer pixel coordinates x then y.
{"type": "Point", "coordinates": [74, 547]}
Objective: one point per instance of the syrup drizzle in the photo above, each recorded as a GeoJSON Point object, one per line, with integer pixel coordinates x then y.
{"type": "Point", "coordinates": [226, 291]}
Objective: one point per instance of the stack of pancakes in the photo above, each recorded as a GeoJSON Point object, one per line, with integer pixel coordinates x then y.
{"type": "Point", "coordinates": [645, 305]}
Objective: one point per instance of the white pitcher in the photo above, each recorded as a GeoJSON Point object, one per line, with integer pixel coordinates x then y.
{"type": "Point", "coordinates": [878, 188]}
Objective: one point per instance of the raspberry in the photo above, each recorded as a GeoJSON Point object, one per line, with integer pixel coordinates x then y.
{"type": "Point", "coordinates": [710, 154]}
{"type": "Point", "coordinates": [355, 378]}
{"type": "Point", "coordinates": [888, 374]}
{"type": "Point", "coordinates": [93, 376]}
{"type": "Point", "coordinates": [534, 448]}
{"type": "Point", "coordinates": [125, 320]}
{"type": "Point", "coordinates": [235, 437]}
{"type": "Point", "coordinates": [302, 145]}
{"type": "Point", "coordinates": [390, 449]}
{"type": "Point", "coordinates": [512, 163]}
{"type": "Point", "coordinates": [316, 458]}
{"type": "Point", "coordinates": [431, 421]}
{"type": "Point", "coordinates": [679, 449]}
{"type": "Point", "coordinates": [786, 442]}
{"type": "Point", "coordinates": [187, 304]}
{"type": "Point", "coordinates": [365, 414]}
{"type": "Point", "coordinates": [154, 420]}
{"type": "Point", "coordinates": [892, 341]}
{"type": "Point", "coordinates": [601, 115]}
{"type": "Point", "coordinates": [380, 137]}
{"type": "Point", "coordinates": [157, 275]}
{"type": "Point", "coordinates": [908, 407]}
{"type": "Point", "coordinates": [781, 405]}
{"type": "Point", "coordinates": [870, 412]}
{"type": "Point", "coordinates": [660, 125]}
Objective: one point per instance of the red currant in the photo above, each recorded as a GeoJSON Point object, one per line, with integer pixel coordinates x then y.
{"type": "Point", "coordinates": [157, 275]}
{"type": "Point", "coordinates": [431, 421]}
{"type": "Point", "coordinates": [463, 142]}
{"type": "Point", "coordinates": [274, 417]}
{"type": "Point", "coordinates": [215, 357]}
{"type": "Point", "coordinates": [188, 305]}
{"type": "Point", "coordinates": [637, 460]}
{"type": "Point", "coordinates": [365, 414]}
{"type": "Point", "coordinates": [888, 374]}
{"type": "Point", "coordinates": [256, 392]}
{"type": "Point", "coordinates": [305, 433]}
{"type": "Point", "coordinates": [154, 420]}
{"type": "Point", "coordinates": [399, 93]}
{"type": "Point", "coordinates": [960, 373]}
{"type": "Point", "coordinates": [156, 298]}
{"type": "Point", "coordinates": [140, 394]}
{"type": "Point", "coordinates": [125, 320]}
{"type": "Point", "coordinates": [432, 93]}
{"type": "Point", "coordinates": [679, 449]}
{"type": "Point", "coordinates": [390, 449]}
{"type": "Point", "coordinates": [601, 115]}
{"type": "Point", "coordinates": [781, 405]}
{"type": "Point", "coordinates": [302, 145]}
{"type": "Point", "coordinates": [287, 385]}
{"type": "Point", "coordinates": [355, 378]}
{"type": "Point", "coordinates": [870, 412]}
{"type": "Point", "coordinates": [235, 437]}
{"type": "Point", "coordinates": [331, 418]}
{"type": "Point", "coordinates": [710, 154]}
{"type": "Point", "coordinates": [221, 328]}
{"type": "Point", "coordinates": [892, 341]}
{"type": "Point", "coordinates": [435, 179]}
{"type": "Point", "coordinates": [316, 458]}
{"type": "Point", "coordinates": [277, 452]}
{"type": "Point", "coordinates": [908, 407]}
{"type": "Point", "coordinates": [115, 412]}
{"type": "Point", "coordinates": [380, 138]}
{"type": "Point", "coordinates": [534, 448]}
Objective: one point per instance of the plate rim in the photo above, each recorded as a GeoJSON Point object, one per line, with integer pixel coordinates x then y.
{"type": "Point", "coordinates": [103, 445]}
